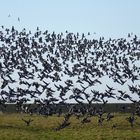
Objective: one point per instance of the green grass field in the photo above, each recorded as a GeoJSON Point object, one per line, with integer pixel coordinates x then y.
{"type": "Point", "coordinates": [13, 128]}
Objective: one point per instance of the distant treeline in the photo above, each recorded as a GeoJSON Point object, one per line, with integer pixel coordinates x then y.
{"type": "Point", "coordinates": [110, 107]}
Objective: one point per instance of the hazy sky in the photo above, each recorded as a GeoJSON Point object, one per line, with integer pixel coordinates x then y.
{"type": "Point", "coordinates": [108, 18]}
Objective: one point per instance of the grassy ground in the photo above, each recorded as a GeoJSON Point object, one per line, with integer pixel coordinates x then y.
{"type": "Point", "coordinates": [12, 128]}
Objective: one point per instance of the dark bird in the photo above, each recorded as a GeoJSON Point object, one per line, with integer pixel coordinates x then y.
{"type": "Point", "coordinates": [28, 122]}
{"type": "Point", "coordinates": [4, 84]}
{"type": "Point", "coordinates": [18, 19]}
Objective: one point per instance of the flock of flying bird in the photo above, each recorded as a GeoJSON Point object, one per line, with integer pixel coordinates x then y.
{"type": "Point", "coordinates": [50, 69]}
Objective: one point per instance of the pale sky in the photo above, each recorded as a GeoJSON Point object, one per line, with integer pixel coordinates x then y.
{"type": "Point", "coordinates": [108, 18]}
